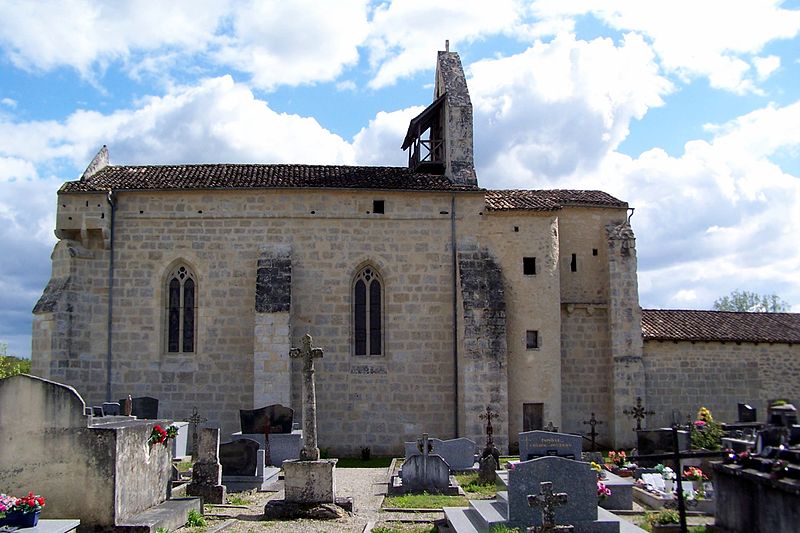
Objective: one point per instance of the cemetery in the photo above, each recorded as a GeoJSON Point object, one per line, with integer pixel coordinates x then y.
{"type": "Point", "coordinates": [735, 476]}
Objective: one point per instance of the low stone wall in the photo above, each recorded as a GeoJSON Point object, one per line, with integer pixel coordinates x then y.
{"type": "Point", "coordinates": [750, 501]}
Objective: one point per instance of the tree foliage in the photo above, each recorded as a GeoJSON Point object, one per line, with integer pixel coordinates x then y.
{"type": "Point", "coordinates": [751, 302]}
{"type": "Point", "coordinates": [10, 365]}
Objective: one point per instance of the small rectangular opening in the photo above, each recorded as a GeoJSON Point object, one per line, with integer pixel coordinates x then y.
{"type": "Point", "coordinates": [531, 339]}
{"type": "Point", "coordinates": [529, 266]}
{"type": "Point", "coordinates": [594, 251]}
{"type": "Point", "coordinates": [532, 416]}
{"type": "Point", "coordinates": [573, 265]}
{"type": "Point", "coordinates": [377, 207]}
{"type": "Point", "coordinates": [516, 229]}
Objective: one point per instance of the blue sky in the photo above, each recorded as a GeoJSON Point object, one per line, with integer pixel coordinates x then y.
{"type": "Point", "coordinates": [688, 110]}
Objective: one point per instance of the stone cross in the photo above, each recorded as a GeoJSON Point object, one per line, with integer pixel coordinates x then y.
{"type": "Point", "coordinates": [550, 427]}
{"type": "Point", "coordinates": [548, 502]}
{"type": "Point", "coordinates": [592, 434]}
{"type": "Point", "coordinates": [310, 451]}
{"type": "Point", "coordinates": [424, 446]}
{"type": "Point", "coordinates": [267, 454]}
{"type": "Point", "coordinates": [638, 413]}
{"type": "Point", "coordinates": [194, 420]}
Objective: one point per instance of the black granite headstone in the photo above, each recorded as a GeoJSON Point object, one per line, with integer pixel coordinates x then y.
{"type": "Point", "coordinates": [111, 409]}
{"type": "Point", "coordinates": [651, 441]}
{"type": "Point", "coordinates": [97, 411]}
{"type": "Point", "coordinates": [144, 407]}
{"type": "Point", "coordinates": [239, 458]}
{"type": "Point", "coordinates": [255, 420]}
{"type": "Point", "coordinates": [746, 413]}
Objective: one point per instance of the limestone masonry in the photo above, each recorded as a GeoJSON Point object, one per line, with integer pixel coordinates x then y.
{"type": "Point", "coordinates": [431, 297]}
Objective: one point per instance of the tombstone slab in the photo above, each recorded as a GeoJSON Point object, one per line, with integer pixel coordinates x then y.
{"type": "Point", "coordinates": [144, 407]}
{"type": "Point", "coordinates": [429, 473]}
{"type": "Point", "coordinates": [310, 481]}
{"type": "Point", "coordinates": [207, 470]}
{"type": "Point", "coordinates": [651, 441]}
{"type": "Point", "coordinates": [239, 458]}
{"type": "Point", "coordinates": [534, 444]}
{"type": "Point", "coordinates": [254, 421]}
{"type": "Point", "coordinates": [458, 453]}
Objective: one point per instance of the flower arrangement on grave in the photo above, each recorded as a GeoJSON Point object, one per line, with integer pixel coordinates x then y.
{"type": "Point", "coordinates": [706, 433]}
{"type": "Point", "coordinates": [603, 492]}
{"type": "Point", "coordinates": [618, 458]}
{"type": "Point", "coordinates": [160, 435]}
{"type": "Point", "coordinates": [6, 504]}
{"type": "Point", "coordinates": [692, 473]}
{"type": "Point", "coordinates": [662, 517]}
{"type": "Point", "coordinates": [666, 472]}
{"type": "Point", "coordinates": [597, 468]}
{"type": "Point", "coordinates": [32, 503]}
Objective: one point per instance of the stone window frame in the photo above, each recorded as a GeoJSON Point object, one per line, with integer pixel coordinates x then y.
{"type": "Point", "coordinates": [182, 271]}
{"type": "Point", "coordinates": [375, 276]}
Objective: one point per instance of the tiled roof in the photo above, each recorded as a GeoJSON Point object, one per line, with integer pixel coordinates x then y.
{"type": "Point", "coordinates": [674, 324]}
{"type": "Point", "coordinates": [548, 200]}
{"type": "Point", "coordinates": [229, 176]}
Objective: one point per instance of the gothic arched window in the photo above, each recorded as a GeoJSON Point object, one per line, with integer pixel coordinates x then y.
{"type": "Point", "coordinates": [367, 313]}
{"type": "Point", "coordinates": [181, 310]}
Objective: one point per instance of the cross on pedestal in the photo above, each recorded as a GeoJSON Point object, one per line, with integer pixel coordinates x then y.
{"type": "Point", "coordinates": [638, 412]}
{"type": "Point", "coordinates": [195, 420]}
{"type": "Point", "coordinates": [548, 502]}
{"type": "Point", "coordinates": [488, 415]}
{"type": "Point", "coordinates": [592, 434]}
{"type": "Point", "coordinates": [308, 353]}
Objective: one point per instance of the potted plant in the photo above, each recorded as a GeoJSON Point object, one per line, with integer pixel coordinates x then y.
{"type": "Point", "coordinates": [618, 460]}
{"type": "Point", "coordinates": [664, 521]}
{"type": "Point", "coordinates": [603, 492]}
{"type": "Point", "coordinates": [26, 511]}
{"type": "Point", "coordinates": [6, 506]}
{"type": "Point", "coordinates": [706, 433]}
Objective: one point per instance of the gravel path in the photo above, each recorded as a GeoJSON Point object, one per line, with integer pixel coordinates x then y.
{"type": "Point", "coordinates": [366, 486]}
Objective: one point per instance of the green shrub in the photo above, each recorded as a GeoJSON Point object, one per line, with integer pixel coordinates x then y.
{"type": "Point", "coordinates": [664, 516]}
{"type": "Point", "coordinates": [195, 519]}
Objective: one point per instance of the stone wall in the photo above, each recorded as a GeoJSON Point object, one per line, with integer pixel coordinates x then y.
{"type": "Point", "coordinates": [685, 376]}
{"type": "Point", "coordinates": [587, 369]}
{"type": "Point", "coordinates": [376, 401]}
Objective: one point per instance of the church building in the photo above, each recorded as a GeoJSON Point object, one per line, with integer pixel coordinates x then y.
{"type": "Point", "coordinates": [431, 297]}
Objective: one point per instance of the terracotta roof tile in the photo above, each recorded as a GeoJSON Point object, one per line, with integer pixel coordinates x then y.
{"type": "Point", "coordinates": [237, 176]}
{"type": "Point", "coordinates": [548, 200]}
{"type": "Point", "coordinates": [674, 324]}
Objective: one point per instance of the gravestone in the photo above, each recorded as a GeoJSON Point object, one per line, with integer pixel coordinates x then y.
{"type": "Point", "coordinates": [746, 413]}
{"type": "Point", "coordinates": [277, 417]}
{"type": "Point", "coordinates": [145, 407]}
{"type": "Point", "coordinates": [427, 472]}
{"type": "Point", "coordinates": [548, 501]}
{"type": "Point", "coordinates": [207, 470]}
{"type": "Point", "coordinates": [487, 470]}
{"type": "Point", "coordinates": [97, 411]}
{"type": "Point", "coordinates": [111, 409]}
{"type": "Point", "coordinates": [239, 458]}
{"type": "Point", "coordinates": [458, 453]}
{"type": "Point", "coordinates": [574, 478]}
{"type": "Point", "coordinates": [533, 444]}
{"type": "Point", "coordinates": [652, 441]}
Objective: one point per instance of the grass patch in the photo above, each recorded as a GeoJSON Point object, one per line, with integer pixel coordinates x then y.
{"type": "Point", "coordinates": [195, 519]}
{"type": "Point", "coordinates": [505, 460]}
{"type": "Point", "coordinates": [474, 490]}
{"type": "Point", "coordinates": [358, 462]}
{"type": "Point", "coordinates": [504, 529]}
{"type": "Point", "coordinates": [237, 499]}
{"type": "Point", "coordinates": [183, 466]}
{"type": "Point", "coordinates": [424, 501]}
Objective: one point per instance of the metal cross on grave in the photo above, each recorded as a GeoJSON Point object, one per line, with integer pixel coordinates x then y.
{"type": "Point", "coordinates": [550, 427]}
{"type": "Point", "coordinates": [195, 420]}
{"type": "Point", "coordinates": [592, 434]}
{"type": "Point", "coordinates": [548, 502]}
{"type": "Point", "coordinates": [638, 412]}
{"type": "Point", "coordinates": [308, 353]}
{"type": "Point", "coordinates": [488, 415]}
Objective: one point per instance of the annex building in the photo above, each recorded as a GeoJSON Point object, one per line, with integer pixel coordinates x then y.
{"type": "Point", "coordinates": [432, 298]}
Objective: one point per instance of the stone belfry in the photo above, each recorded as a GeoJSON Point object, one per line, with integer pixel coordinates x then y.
{"type": "Point", "coordinates": [440, 138]}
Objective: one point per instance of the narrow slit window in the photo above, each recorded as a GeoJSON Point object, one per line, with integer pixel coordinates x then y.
{"type": "Point", "coordinates": [529, 266]}
{"type": "Point", "coordinates": [573, 264]}
{"type": "Point", "coordinates": [367, 313]}
{"type": "Point", "coordinates": [378, 207]}
{"type": "Point", "coordinates": [181, 311]}
{"type": "Point", "coordinates": [531, 339]}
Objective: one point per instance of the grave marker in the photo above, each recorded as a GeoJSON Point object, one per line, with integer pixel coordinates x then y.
{"type": "Point", "coordinates": [638, 413]}
{"type": "Point", "coordinates": [547, 501]}
{"type": "Point", "coordinates": [538, 443]}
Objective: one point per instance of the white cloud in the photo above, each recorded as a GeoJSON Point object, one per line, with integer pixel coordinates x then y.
{"type": "Point", "coordinates": [294, 42]}
{"type": "Point", "coordinates": [765, 66]}
{"type": "Point", "coordinates": [405, 35]}
{"type": "Point", "coordinates": [713, 38]}
{"type": "Point", "coordinates": [8, 102]}
{"type": "Point", "coordinates": [561, 106]}
{"type": "Point", "coordinates": [379, 142]}
{"type": "Point", "coordinates": [83, 33]}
